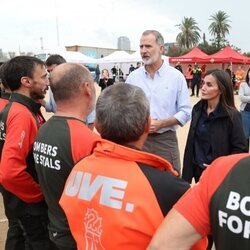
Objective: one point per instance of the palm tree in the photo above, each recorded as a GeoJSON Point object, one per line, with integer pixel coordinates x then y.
{"type": "Point", "coordinates": [219, 27]}
{"type": "Point", "coordinates": [189, 35]}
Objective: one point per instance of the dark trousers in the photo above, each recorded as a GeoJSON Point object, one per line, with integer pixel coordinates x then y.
{"type": "Point", "coordinates": [196, 82]}
{"type": "Point", "coordinates": [164, 145]}
{"type": "Point", "coordinates": [15, 239]}
{"type": "Point", "coordinates": [197, 173]}
{"type": "Point", "coordinates": [189, 83]}
{"type": "Point", "coordinates": [29, 233]}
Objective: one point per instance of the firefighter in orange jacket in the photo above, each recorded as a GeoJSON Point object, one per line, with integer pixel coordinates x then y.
{"type": "Point", "coordinates": [117, 197]}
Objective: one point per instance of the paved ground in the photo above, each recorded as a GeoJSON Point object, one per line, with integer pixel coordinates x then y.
{"type": "Point", "coordinates": [182, 136]}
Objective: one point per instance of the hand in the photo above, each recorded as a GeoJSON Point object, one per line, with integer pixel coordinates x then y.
{"type": "Point", "coordinates": [155, 125]}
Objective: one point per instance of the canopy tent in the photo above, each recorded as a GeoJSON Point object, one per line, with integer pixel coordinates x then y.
{"type": "Point", "coordinates": [70, 56]}
{"type": "Point", "coordinates": [118, 56]}
{"type": "Point", "coordinates": [193, 56]}
{"type": "Point", "coordinates": [121, 56]}
{"type": "Point", "coordinates": [77, 57]}
{"type": "Point", "coordinates": [228, 55]}
{"type": "Point", "coordinates": [136, 56]}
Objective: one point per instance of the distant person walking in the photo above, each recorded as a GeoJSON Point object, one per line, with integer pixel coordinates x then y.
{"type": "Point", "coordinates": [97, 73]}
{"type": "Point", "coordinates": [196, 79]}
{"type": "Point", "coordinates": [131, 68]}
{"type": "Point", "coordinates": [114, 72]}
{"type": "Point", "coordinates": [189, 75]}
{"type": "Point", "coordinates": [239, 77]}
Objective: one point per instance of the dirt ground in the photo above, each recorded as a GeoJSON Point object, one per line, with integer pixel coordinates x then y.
{"type": "Point", "coordinates": [182, 136]}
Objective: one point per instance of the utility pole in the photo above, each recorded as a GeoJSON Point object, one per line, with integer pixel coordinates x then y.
{"type": "Point", "coordinates": [57, 26]}
{"type": "Point", "coordinates": [41, 41]}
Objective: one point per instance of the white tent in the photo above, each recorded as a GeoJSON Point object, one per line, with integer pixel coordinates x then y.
{"type": "Point", "coordinates": [69, 56]}
{"type": "Point", "coordinates": [77, 57]}
{"type": "Point", "coordinates": [118, 56]}
{"type": "Point", "coordinates": [136, 56]}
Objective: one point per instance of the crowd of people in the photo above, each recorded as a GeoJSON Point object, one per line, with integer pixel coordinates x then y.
{"type": "Point", "coordinates": [195, 74]}
{"type": "Point", "coordinates": [121, 186]}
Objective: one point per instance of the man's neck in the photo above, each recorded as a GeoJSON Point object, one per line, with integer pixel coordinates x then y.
{"type": "Point", "coordinates": [22, 91]}
{"type": "Point", "coordinates": [140, 142]}
{"type": "Point", "coordinates": [74, 111]}
{"type": "Point", "coordinates": [152, 68]}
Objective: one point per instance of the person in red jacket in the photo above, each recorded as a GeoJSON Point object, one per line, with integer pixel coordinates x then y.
{"type": "Point", "coordinates": [24, 203]}
{"type": "Point", "coordinates": [218, 204]}
{"type": "Point", "coordinates": [63, 141]}
{"type": "Point", "coordinates": [117, 197]}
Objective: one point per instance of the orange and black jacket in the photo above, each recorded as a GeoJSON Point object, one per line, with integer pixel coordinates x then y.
{"type": "Point", "coordinates": [118, 196]}
{"type": "Point", "coordinates": [4, 100]}
{"type": "Point", "coordinates": [18, 127]}
{"type": "Point", "coordinates": [60, 143]}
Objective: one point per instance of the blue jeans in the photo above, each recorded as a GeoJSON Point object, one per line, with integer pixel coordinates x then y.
{"type": "Point", "coordinates": [245, 115]}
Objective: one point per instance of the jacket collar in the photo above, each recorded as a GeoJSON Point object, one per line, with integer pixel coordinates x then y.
{"type": "Point", "coordinates": [5, 95]}
{"type": "Point", "coordinates": [219, 111]}
{"type": "Point", "coordinates": [26, 101]}
{"type": "Point", "coordinates": [107, 148]}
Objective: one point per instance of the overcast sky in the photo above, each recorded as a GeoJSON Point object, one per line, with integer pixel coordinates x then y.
{"type": "Point", "coordinates": [101, 22]}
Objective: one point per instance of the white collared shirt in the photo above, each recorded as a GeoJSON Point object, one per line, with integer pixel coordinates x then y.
{"type": "Point", "coordinates": [167, 93]}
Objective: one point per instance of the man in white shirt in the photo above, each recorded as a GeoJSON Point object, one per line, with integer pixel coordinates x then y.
{"type": "Point", "coordinates": [166, 89]}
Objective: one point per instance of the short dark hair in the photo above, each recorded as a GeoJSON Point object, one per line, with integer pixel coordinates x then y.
{"type": "Point", "coordinates": [55, 59]}
{"type": "Point", "coordinates": [19, 67]}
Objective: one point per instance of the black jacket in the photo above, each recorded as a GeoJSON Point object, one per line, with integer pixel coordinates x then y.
{"type": "Point", "coordinates": [104, 84]}
{"type": "Point", "coordinates": [227, 137]}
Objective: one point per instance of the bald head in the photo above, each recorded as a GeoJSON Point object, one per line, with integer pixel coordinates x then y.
{"type": "Point", "coordinates": [67, 79]}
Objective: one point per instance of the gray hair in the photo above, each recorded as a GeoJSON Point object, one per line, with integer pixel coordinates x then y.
{"type": "Point", "coordinates": [122, 111]}
{"type": "Point", "coordinates": [158, 36]}
{"type": "Point", "coordinates": [66, 80]}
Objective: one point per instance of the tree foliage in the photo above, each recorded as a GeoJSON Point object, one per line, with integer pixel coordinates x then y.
{"type": "Point", "coordinates": [219, 28]}
{"type": "Point", "coordinates": [189, 35]}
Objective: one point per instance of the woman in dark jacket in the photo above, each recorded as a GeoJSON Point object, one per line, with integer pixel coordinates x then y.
{"type": "Point", "coordinates": [216, 127]}
{"type": "Point", "coordinates": [105, 81]}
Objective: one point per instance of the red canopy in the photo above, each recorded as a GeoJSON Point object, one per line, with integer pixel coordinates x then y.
{"type": "Point", "coordinates": [193, 56]}
{"type": "Point", "coordinates": [227, 55]}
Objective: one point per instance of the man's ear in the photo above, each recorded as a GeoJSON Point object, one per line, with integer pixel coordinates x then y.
{"type": "Point", "coordinates": [86, 88]}
{"type": "Point", "coordinates": [25, 81]}
{"type": "Point", "coordinates": [162, 48]}
{"type": "Point", "coordinates": [147, 125]}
